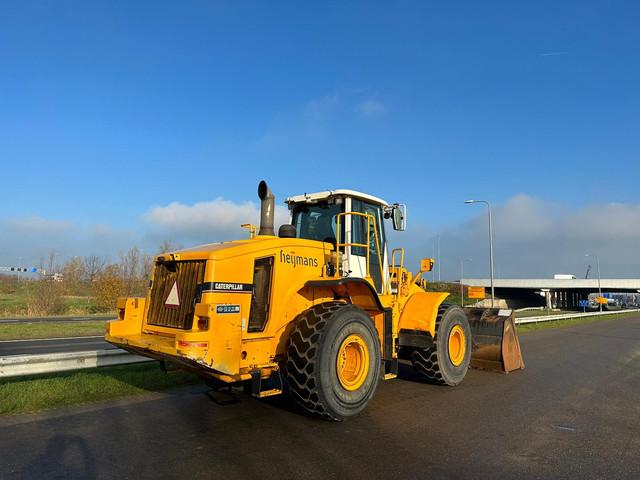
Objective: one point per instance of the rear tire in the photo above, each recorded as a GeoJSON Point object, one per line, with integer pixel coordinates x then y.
{"type": "Point", "coordinates": [333, 360]}
{"type": "Point", "coordinates": [447, 362]}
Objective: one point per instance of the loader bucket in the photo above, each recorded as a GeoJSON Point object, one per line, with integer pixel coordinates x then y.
{"type": "Point", "coordinates": [495, 344]}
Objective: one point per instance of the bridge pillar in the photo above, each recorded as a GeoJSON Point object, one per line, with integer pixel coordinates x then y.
{"type": "Point", "coordinates": [547, 298]}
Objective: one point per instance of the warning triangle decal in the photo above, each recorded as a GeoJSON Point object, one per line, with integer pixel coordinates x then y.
{"type": "Point", "coordinates": [173, 299]}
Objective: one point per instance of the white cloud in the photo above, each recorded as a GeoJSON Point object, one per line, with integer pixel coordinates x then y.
{"type": "Point", "coordinates": [202, 222]}
{"type": "Point", "coordinates": [218, 214]}
{"type": "Point", "coordinates": [372, 108]}
{"type": "Point", "coordinates": [28, 239]}
{"type": "Point", "coordinates": [534, 238]}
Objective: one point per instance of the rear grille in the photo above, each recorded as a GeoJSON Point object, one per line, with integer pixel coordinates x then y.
{"type": "Point", "coordinates": [187, 276]}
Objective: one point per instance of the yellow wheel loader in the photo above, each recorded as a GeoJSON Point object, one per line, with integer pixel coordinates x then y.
{"type": "Point", "coordinates": [323, 307]}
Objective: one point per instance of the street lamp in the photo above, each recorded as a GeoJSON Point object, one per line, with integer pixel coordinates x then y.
{"type": "Point", "coordinates": [599, 279]}
{"type": "Point", "coordinates": [490, 246]}
{"type": "Point", "coordinates": [439, 269]}
{"type": "Point", "coordinates": [462, 260]}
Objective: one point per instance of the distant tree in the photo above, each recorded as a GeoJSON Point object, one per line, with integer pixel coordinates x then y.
{"type": "Point", "coordinates": [48, 263]}
{"type": "Point", "coordinates": [73, 275]}
{"type": "Point", "coordinates": [93, 265]}
{"type": "Point", "coordinates": [127, 278]}
{"type": "Point", "coordinates": [107, 286]}
{"type": "Point", "coordinates": [147, 268]}
{"type": "Point", "coordinates": [168, 246]}
{"type": "Point", "coordinates": [130, 269]}
{"type": "Point", "coordinates": [136, 268]}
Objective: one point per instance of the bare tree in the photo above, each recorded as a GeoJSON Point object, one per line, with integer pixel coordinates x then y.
{"type": "Point", "coordinates": [73, 275]}
{"type": "Point", "coordinates": [135, 270]}
{"type": "Point", "coordinates": [168, 246]}
{"type": "Point", "coordinates": [147, 267]}
{"type": "Point", "coordinates": [129, 268]}
{"type": "Point", "coordinates": [48, 264]}
{"type": "Point", "coordinates": [128, 277]}
{"type": "Point", "coordinates": [93, 265]}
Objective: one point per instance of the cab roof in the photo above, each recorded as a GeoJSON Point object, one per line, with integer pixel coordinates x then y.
{"type": "Point", "coordinates": [320, 196]}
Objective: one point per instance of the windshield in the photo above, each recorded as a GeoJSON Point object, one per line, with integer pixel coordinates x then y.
{"type": "Point", "coordinates": [317, 221]}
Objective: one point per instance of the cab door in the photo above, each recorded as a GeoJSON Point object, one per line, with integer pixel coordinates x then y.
{"type": "Point", "coordinates": [378, 262]}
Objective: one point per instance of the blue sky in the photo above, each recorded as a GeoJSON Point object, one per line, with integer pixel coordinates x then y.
{"type": "Point", "coordinates": [109, 109]}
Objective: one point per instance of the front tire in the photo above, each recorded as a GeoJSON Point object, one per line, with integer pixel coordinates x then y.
{"type": "Point", "coordinates": [333, 360]}
{"type": "Point", "coordinates": [447, 362]}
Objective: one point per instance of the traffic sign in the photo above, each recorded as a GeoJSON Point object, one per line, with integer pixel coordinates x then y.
{"type": "Point", "coordinates": [476, 292]}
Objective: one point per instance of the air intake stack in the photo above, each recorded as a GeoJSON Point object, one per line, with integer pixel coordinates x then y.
{"type": "Point", "coordinates": [267, 209]}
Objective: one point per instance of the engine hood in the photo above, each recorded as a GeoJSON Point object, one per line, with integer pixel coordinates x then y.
{"type": "Point", "coordinates": [221, 250]}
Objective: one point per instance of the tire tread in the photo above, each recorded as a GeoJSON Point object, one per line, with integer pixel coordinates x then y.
{"type": "Point", "coordinates": [302, 348]}
{"type": "Point", "coordinates": [425, 362]}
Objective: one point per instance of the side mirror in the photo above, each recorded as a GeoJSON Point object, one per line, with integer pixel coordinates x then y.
{"type": "Point", "coordinates": [426, 264]}
{"type": "Point", "coordinates": [399, 216]}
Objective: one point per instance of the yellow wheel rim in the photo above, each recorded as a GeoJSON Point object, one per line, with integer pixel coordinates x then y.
{"type": "Point", "coordinates": [352, 363]}
{"type": "Point", "coordinates": [457, 345]}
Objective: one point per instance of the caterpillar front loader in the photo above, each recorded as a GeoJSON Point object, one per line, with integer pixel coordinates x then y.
{"type": "Point", "coordinates": [322, 306]}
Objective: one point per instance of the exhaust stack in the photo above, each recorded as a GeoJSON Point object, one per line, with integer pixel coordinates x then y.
{"type": "Point", "coordinates": [267, 207]}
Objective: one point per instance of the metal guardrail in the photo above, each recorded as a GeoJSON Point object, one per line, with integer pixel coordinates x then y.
{"type": "Point", "coordinates": [566, 316]}
{"type": "Point", "coordinates": [18, 365]}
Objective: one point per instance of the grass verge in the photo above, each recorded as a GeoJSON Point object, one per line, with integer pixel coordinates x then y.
{"type": "Point", "coordinates": [15, 303]}
{"type": "Point", "coordinates": [19, 331]}
{"type": "Point", "coordinates": [530, 327]}
{"type": "Point", "coordinates": [31, 394]}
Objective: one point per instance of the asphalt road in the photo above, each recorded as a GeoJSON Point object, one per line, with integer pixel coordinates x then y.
{"type": "Point", "coordinates": [25, 320]}
{"type": "Point", "coordinates": [573, 413]}
{"type": "Point", "coordinates": [52, 345]}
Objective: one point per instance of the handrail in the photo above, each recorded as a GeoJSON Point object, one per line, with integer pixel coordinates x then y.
{"type": "Point", "coordinates": [253, 230]}
{"type": "Point", "coordinates": [370, 220]}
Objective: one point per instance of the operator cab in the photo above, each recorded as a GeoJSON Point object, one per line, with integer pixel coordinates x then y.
{"type": "Point", "coordinates": [359, 217]}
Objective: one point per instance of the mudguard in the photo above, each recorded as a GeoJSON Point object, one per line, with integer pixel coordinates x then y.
{"type": "Point", "coordinates": [420, 312]}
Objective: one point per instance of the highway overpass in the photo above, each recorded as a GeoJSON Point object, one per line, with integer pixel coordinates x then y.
{"type": "Point", "coordinates": [551, 292]}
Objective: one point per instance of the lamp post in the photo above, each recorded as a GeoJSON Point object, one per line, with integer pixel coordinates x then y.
{"type": "Point", "coordinates": [462, 260]}
{"type": "Point", "coordinates": [599, 278]}
{"type": "Point", "coordinates": [439, 270]}
{"type": "Point", "coordinates": [490, 246]}
{"type": "Point", "coordinates": [433, 252]}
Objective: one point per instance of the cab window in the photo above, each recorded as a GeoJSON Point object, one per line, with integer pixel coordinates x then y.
{"type": "Point", "coordinates": [317, 221]}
